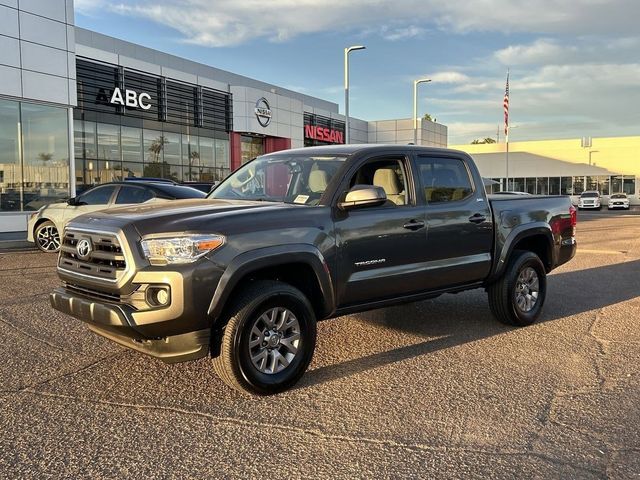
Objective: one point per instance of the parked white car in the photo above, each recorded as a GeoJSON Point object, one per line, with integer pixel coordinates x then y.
{"type": "Point", "coordinates": [590, 199]}
{"type": "Point", "coordinates": [45, 225]}
{"type": "Point", "coordinates": [619, 200]}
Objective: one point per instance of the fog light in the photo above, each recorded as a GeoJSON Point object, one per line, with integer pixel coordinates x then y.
{"type": "Point", "coordinates": [158, 296]}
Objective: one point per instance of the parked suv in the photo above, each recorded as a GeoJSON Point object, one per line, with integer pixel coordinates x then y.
{"type": "Point", "coordinates": [590, 199]}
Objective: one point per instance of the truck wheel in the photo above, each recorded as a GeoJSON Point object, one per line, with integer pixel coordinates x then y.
{"type": "Point", "coordinates": [269, 339]}
{"type": "Point", "coordinates": [47, 237]}
{"type": "Point", "coordinates": [517, 298]}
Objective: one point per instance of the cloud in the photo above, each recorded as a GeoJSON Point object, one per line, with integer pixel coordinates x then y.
{"type": "Point", "coordinates": [404, 33]}
{"type": "Point", "coordinates": [449, 77]}
{"type": "Point", "coordinates": [539, 52]}
{"type": "Point", "coordinates": [232, 22]}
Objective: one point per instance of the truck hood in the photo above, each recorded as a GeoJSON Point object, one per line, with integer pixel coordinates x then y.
{"type": "Point", "coordinates": [195, 215]}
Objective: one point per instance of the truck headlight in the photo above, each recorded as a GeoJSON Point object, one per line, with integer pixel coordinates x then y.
{"type": "Point", "coordinates": [161, 250]}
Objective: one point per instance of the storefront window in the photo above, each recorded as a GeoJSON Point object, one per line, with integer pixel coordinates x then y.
{"type": "Point", "coordinates": [616, 184]}
{"type": "Point", "coordinates": [566, 186]}
{"type": "Point", "coordinates": [130, 169]}
{"type": "Point", "coordinates": [554, 185]}
{"type": "Point", "coordinates": [251, 147]}
{"type": "Point", "coordinates": [108, 142]}
{"type": "Point", "coordinates": [154, 143]}
{"type": "Point", "coordinates": [45, 140]}
{"type": "Point", "coordinates": [131, 139]}
{"type": "Point", "coordinates": [10, 171]}
{"type": "Point", "coordinates": [603, 185]}
{"type": "Point", "coordinates": [222, 160]}
{"type": "Point", "coordinates": [578, 185]}
{"type": "Point", "coordinates": [530, 185]}
{"type": "Point", "coordinates": [542, 185]}
{"type": "Point", "coordinates": [516, 184]}
{"type": "Point", "coordinates": [207, 153]}
{"type": "Point", "coordinates": [629, 186]}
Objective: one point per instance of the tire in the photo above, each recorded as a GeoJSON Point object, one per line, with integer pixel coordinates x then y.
{"type": "Point", "coordinates": [254, 307]}
{"type": "Point", "coordinates": [504, 294]}
{"type": "Point", "coordinates": [47, 237]}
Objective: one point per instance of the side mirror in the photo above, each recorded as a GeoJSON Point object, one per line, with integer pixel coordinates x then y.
{"type": "Point", "coordinates": [73, 201]}
{"type": "Point", "coordinates": [363, 196]}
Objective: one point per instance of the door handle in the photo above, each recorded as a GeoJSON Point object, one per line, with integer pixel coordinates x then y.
{"type": "Point", "coordinates": [477, 218]}
{"type": "Point", "coordinates": [413, 225]}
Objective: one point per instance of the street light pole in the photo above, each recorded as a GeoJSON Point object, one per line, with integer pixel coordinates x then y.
{"type": "Point", "coordinates": [415, 107]}
{"type": "Point", "coordinates": [590, 152]}
{"type": "Point", "coordinates": [347, 51]}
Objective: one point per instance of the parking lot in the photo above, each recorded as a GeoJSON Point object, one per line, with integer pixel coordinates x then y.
{"type": "Point", "coordinates": [436, 389]}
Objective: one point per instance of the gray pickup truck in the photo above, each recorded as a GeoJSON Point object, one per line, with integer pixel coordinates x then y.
{"type": "Point", "coordinates": [303, 235]}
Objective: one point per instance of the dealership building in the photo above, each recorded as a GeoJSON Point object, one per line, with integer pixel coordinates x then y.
{"type": "Point", "coordinates": [78, 108]}
{"type": "Point", "coordinates": [562, 167]}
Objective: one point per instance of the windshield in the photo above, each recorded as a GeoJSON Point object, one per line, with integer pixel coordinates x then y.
{"type": "Point", "coordinates": [619, 195]}
{"type": "Point", "coordinates": [590, 194]}
{"type": "Point", "coordinates": [300, 179]}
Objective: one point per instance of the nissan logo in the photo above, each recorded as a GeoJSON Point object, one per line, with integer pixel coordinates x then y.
{"type": "Point", "coordinates": [263, 112]}
{"type": "Point", "coordinates": [83, 248]}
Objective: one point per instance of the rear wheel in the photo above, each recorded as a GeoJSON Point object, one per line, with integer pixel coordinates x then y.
{"type": "Point", "coordinates": [269, 339]}
{"type": "Point", "coordinates": [47, 237]}
{"type": "Point", "coordinates": [517, 298]}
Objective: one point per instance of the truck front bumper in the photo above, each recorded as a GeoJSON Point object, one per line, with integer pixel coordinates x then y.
{"type": "Point", "coordinates": [117, 322]}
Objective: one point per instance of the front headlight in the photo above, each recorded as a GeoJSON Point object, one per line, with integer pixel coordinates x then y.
{"type": "Point", "coordinates": [163, 250]}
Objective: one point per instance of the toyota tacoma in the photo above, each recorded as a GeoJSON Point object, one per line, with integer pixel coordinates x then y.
{"type": "Point", "coordinates": [297, 236]}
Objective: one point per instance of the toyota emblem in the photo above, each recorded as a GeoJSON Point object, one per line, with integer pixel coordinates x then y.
{"type": "Point", "coordinates": [83, 249]}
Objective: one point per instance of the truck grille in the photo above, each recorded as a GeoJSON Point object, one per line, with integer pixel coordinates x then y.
{"type": "Point", "coordinates": [103, 259]}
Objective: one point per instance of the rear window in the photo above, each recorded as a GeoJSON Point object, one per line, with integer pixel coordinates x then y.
{"type": "Point", "coordinates": [179, 191]}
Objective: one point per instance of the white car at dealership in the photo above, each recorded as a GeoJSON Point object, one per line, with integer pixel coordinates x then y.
{"type": "Point", "coordinates": [46, 225]}
{"type": "Point", "coordinates": [619, 200]}
{"type": "Point", "coordinates": [590, 199]}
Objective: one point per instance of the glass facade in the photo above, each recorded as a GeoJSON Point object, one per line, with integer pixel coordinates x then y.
{"type": "Point", "coordinates": [251, 147]}
{"type": "Point", "coordinates": [106, 152]}
{"type": "Point", "coordinates": [34, 155]}
{"type": "Point", "coordinates": [605, 184]}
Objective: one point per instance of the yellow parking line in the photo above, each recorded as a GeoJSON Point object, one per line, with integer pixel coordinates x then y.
{"type": "Point", "coordinates": [602, 252]}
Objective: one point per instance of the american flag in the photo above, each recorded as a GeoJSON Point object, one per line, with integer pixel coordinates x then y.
{"type": "Point", "coordinates": [505, 103]}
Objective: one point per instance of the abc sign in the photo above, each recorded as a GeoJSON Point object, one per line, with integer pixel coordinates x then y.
{"type": "Point", "coordinates": [131, 99]}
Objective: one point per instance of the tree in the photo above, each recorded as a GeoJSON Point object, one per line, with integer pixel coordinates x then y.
{"type": "Point", "coordinates": [156, 147]}
{"type": "Point", "coordinates": [428, 118]}
{"type": "Point", "coordinates": [482, 141]}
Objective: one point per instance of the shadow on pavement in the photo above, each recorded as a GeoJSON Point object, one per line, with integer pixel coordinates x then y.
{"type": "Point", "coordinates": [454, 323]}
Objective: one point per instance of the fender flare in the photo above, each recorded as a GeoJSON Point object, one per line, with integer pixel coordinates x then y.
{"type": "Point", "coordinates": [517, 234]}
{"type": "Point", "coordinates": [253, 260]}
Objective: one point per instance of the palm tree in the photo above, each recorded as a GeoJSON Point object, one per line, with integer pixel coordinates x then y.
{"type": "Point", "coordinates": [157, 146]}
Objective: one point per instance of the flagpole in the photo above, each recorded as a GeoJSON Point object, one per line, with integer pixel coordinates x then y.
{"type": "Point", "coordinates": [506, 125]}
{"type": "Point", "coordinates": [507, 140]}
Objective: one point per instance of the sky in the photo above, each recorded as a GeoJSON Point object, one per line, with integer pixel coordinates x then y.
{"type": "Point", "coordinates": [574, 65]}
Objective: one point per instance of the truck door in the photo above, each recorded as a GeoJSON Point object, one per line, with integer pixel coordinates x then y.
{"type": "Point", "coordinates": [380, 248]}
{"type": "Point", "coordinates": [460, 228]}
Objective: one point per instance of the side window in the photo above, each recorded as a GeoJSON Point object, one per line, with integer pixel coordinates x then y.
{"type": "Point", "coordinates": [444, 179]}
{"type": "Point", "coordinates": [129, 194]}
{"type": "Point", "coordinates": [388, 174]}
{"type": "Point", "coordinates": [97, 196]}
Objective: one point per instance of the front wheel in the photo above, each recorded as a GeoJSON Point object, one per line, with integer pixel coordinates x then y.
{"type": "Point", "coordinates": [47, 237]}
{"type": "Point", "coordinates": [517, 298]}
{"type": "Point", "coordinates": [269, 339]}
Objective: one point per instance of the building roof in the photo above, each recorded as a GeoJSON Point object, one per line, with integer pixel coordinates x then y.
{"type": "Point", "coordinates": [525, 164]}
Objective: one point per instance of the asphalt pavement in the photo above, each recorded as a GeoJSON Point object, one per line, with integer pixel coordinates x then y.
{"type": "Point", "coordinates": [436, 389]}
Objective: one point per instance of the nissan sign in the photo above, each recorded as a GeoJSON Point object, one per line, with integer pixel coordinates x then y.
{"type": "Point", "coordinates": [263, 112]}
